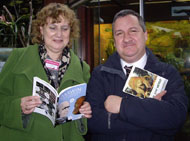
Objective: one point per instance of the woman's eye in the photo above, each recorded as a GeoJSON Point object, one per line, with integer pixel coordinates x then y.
{"type": "Point", "coordinates": [65, 29]}
{"type": "Point", "coordinates": [52, 28]}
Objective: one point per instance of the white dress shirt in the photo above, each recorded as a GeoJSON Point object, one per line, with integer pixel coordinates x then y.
{"type": "Point", "coordinates": [140, 63]}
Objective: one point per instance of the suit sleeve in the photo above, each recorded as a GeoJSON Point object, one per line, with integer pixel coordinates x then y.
{"type": "Point", "coordinates": [102, 121]}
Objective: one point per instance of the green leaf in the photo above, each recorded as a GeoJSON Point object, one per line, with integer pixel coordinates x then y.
{"type": "Point", "coordinates": [23, 17]}
{"type": "Point", "coordinates": [12, 3]}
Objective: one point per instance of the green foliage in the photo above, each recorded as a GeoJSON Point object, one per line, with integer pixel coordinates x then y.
{"type": "Point", "coordinates": [172, 59]}
{"type": "Point", "coordinates": [178, 62]}
{"type": "Point", "coordinates": [111, 48]}
{"type": "Point", "coordinates": [12, 3]}
{"type": "Point", "coordinates": [14, 28]}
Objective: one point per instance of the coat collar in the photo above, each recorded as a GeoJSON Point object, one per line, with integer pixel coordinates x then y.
{"type": "Point", "coordinates": [113, 64]}
{"type": "Point", "coordinates": [114, 60]}
{"type": "Point", "coordinates": [74, 71]}
{"type": "Point", "coordinates": [30, 65]}
{"type": "Point", "coordinates": [152, 61]}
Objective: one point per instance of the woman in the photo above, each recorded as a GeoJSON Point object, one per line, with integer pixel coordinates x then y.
{"type": "Point", "coordinates": [52, 60]}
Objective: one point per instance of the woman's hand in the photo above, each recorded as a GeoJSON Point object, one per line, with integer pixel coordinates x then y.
{"type": "Point", "coordinates": [86, 110]}
{"type": "Point", "coordinates": [29, 103]}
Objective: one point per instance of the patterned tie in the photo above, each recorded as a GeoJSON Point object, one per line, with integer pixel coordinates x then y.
{"type": "Point", "coordinates": [128, 70]}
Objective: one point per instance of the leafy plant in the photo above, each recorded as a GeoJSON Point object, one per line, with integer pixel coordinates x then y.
{"type": "Point", "coordinates": [172, 59]}
{"type": "Point", "coordinates": [110, 48]}
{"type": "Point", "coordinates": [15, 29]}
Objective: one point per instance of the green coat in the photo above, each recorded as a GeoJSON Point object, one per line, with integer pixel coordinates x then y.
{"type": "Point", "coordinates": [16, 81]}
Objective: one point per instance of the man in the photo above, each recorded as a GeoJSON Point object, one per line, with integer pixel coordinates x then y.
{"type": "Point", "coordinates": [117, 116]}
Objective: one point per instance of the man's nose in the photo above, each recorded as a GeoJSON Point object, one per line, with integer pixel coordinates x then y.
{"type": "Point", "coordinates": [126, 37]}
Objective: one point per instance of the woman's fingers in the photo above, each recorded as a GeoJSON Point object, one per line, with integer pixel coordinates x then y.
{"type": "Point", "coordinates": [29, 103]}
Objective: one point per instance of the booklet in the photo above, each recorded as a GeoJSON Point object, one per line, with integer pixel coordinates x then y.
{"type": "Point", "coordinates": [62, 107]}
{"type": "Point", "coordinates": [143, 83]}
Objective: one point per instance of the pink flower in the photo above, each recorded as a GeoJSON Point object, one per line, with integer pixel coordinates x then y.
{"type": "Point", "coordinates": [2, 18]}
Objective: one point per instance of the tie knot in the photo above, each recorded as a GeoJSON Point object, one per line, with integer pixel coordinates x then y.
{"type": "Point", "coordinates": [128, 70]}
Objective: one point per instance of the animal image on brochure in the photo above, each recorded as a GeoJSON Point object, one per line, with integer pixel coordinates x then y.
{"type": "Point", "coordinates": [62, 107]}
{"type": "Point", "coordinates": [144, 84]}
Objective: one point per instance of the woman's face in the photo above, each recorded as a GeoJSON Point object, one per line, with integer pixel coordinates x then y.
{"type": "Point", "coordinates": [55, 35]}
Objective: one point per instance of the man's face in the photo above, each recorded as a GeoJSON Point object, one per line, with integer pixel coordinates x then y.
{"type": "Point", "coordinates": [129, 38]}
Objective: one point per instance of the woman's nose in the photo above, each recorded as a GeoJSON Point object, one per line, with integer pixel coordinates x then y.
{"type": "Point", "coordinates": [59, 32]}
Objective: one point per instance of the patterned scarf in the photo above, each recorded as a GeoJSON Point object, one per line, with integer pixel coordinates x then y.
{"type": "Point", "coordinates": [65, 60]}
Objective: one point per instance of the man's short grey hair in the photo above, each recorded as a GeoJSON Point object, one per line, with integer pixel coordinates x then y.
{"type": "Point", "coordinates": [126, 12]}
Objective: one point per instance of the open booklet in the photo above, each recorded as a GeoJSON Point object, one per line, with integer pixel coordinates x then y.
{"type": "Point", "coordinates": [144, 84]}
{"type": "Point", "coordinates": [62, 107]}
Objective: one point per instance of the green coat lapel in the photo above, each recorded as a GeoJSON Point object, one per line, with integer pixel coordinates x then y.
{"type": "Point", "coordinates": [29, 64]}
{"type": "Point", "coordinates": [73, 73]}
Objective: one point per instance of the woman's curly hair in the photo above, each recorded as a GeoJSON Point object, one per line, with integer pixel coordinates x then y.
{"type": "Point", "coordinates": [54, 10]}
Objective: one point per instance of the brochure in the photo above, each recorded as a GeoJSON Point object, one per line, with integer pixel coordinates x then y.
{"type": "Point", "coordinates": [144, 84]}
{"type": "Point", "coordinates": [62, 107]}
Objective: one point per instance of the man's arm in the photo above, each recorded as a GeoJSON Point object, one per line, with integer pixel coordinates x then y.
{"type": "Point", "coordinates": [113, 102]}
{"type": "Point", "coordinates": [103, 121]}
{"type": "Point", "coordinates": [164, 116]}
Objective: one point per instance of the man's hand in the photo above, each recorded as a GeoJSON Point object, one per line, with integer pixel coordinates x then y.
{"type": "Point", "coordinates": [160, 95]}
{"type": "Point", "coordinates": [112, 104]}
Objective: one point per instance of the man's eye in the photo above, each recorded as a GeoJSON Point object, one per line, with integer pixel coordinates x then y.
{"type": "Point", "coordinates": [134, 31]}
{"type": "Point", "coordinates": [118, 34]}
